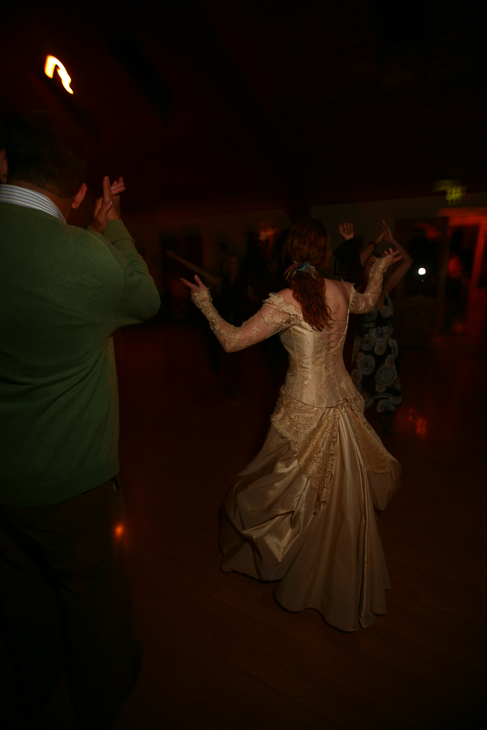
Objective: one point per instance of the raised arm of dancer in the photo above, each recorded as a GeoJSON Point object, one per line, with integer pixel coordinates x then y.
{"type": "Point", "coordinates": [362, 303]}
{"type": "Point", "coordinates": [347, 252]}
{"type": "Point", "coordinates": [271, 318]}
{"type": "Point", "coordinates": [370, 248]}
{"type": "Point", "coordinates": [215, 280]}
{"type": "Point", "coordinates": [406, 261]}
{"type": "Point", "coordinates": [396, 275]}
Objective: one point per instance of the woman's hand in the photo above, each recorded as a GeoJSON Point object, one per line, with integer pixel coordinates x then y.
{"type": "Point", "coordinates": [195, 288]}
{"type": "Point", "coordinates": [392, 256]}
{"type": "Point", "coordinates": [346, 230]}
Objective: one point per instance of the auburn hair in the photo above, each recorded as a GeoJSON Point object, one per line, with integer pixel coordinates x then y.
{"type": "Point", "coordinates": [308, 240]}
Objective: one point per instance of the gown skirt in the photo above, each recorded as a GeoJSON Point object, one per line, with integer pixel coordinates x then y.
{"type": "Point", "coordinates": [325, 552]}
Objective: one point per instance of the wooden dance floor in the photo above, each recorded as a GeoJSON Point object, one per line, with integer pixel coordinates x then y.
{"type": "Point", "coordinates": [219, 652]}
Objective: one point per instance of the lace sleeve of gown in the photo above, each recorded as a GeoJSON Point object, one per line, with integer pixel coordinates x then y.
{"type": "Point", "coordinates": [362, 303]}
{"type": "Point", "coordinates": [274, 315]}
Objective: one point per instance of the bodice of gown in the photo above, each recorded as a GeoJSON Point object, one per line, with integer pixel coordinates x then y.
{"type": "Point", "coordinates": [317, 375]}
{"type": "Point", "coordinates": [317, 378]}
{"type": "Point", "coordinates": [317, 388]}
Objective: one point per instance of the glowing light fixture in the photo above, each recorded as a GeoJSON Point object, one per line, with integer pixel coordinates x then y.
{"type": "Point", "coordinates": [455, 192]}
{"type": "Point", "coordinates": [421, 271]}
{"type": "Point", "coordinates": [51, 63]}
{"type": "Point", "coordinates": [119, 530]}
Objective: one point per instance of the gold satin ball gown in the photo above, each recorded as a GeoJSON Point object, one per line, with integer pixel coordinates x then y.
{"type": "Point", "coordinates": [303, 511]}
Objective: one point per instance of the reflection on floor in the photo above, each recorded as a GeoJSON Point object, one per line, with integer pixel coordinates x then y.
{"type": "Point", "coordinates": [219, 652]}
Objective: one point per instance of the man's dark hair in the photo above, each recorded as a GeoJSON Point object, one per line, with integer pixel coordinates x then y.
{"type": "Point", "coordinates": [38, 154]}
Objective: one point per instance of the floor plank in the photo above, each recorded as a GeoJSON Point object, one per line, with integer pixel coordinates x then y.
{"type": "Point", "coordinates": [219, 652]}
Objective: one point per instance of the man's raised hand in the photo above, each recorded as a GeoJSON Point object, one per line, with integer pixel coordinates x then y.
{"type": "Point", "coordinates": [117, 187]}
{"type": "Point", "coordinates": [107, 208]}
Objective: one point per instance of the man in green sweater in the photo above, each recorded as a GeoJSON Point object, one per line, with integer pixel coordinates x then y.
{"type": "Point", "coordinates": [63, 293]}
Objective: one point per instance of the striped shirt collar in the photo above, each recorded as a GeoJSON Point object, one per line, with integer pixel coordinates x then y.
{"type": "Point", "coordinates": [16, 195]}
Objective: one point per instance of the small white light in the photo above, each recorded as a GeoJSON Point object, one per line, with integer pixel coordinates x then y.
{"type": "Point", "coordinates": [421, 271]}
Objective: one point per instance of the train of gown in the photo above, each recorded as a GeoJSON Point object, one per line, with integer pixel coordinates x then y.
{"type": "Point", "coordinates": [321, 544]}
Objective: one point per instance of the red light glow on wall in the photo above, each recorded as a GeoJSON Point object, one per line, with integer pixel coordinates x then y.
{"type": "Point", "coordinates": [420, 423]}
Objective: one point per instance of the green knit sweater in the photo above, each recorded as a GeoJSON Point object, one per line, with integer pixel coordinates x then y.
{"type": "Point", "coordinates": [63, 292]}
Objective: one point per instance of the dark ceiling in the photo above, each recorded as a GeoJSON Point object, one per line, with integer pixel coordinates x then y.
{"type": "Point", "coordinates": [261, 104]}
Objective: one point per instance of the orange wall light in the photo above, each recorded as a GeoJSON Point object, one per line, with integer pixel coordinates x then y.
{"type": "Point", "coordinates": [51, 63]}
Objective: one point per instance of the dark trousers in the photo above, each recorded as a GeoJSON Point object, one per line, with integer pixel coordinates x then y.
{"type": "Point", "coordinates": [65, 600]}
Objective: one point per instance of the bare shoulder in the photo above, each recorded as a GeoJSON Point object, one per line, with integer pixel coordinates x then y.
{"type": "Point", "coordinates": [337, 289]}
{"type": "Point", "coordinates": [337, 296]}
{"type": "Point", "coordinates": [288, 297]}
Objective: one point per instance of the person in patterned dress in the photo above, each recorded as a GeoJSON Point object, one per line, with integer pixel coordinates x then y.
{"type": "Point", "coordinates": [375, 350]}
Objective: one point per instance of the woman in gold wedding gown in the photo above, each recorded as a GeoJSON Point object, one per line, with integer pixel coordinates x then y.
{"type": "Point", "coordinates": [303, 511]}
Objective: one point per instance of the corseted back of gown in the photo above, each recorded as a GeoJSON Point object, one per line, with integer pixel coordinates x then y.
{"type": "Point", "coordinates": [317, 375]}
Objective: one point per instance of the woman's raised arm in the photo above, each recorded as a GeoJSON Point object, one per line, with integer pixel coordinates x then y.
{"type": "Point", "coordinates": [215, 280]}
{"type": "Point", "coordinates": [396, 276]}
{"type": "Point", "coordinates": [271, 318]}
{"type": "Point", "coordinates": [362, 303]}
